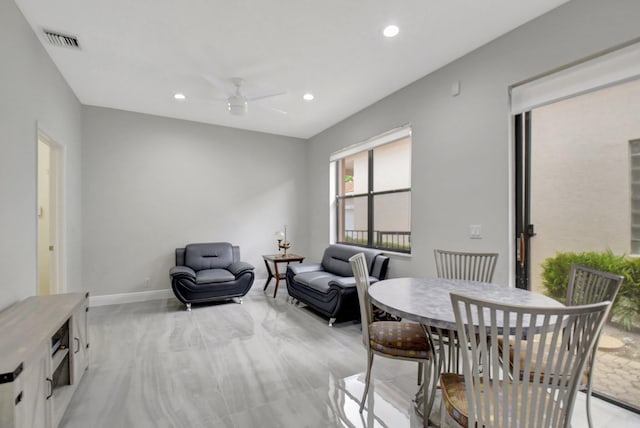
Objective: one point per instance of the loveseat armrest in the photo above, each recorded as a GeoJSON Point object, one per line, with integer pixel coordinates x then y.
{"type": "Point", "coordinates": [238, 268]}
{"type": "Point", "coordinates": [304, 267]}
{"type": "Point", "coordinates": [343, 282]}
{"type": "Point", "coordinates": [182, 271]}
{"type": "Point", "coordinates": [379, 269]}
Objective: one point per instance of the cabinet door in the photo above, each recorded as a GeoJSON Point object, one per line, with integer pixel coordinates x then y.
{"type": "Point", "coordinates": [80, 346]}
{"type": "Point", "coordinates": [34, 408]}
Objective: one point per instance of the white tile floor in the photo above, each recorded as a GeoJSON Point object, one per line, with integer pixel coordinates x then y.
{"type": "Point", "coordinates": [264, 363]}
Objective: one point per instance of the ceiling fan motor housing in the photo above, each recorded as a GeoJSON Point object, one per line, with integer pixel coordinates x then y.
{"type": "Point", "coordinates": [237, 105]}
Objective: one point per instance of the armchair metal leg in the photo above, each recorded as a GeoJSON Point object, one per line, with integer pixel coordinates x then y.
{"type": "Point", "coordinates": [188, 306]}
{"type": "Point", "coordinates": [239, 300]}
{"type": "Point", "coordinates": [331, 321]}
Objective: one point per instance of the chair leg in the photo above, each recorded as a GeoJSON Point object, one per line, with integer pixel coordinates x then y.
{"type": "Point", "coordinates": [188, 307]}
{"type": "Point", "coordinates": [367, 380]}
{"type": "Point", "coordinates": [331, 321]}
{"type": "Point", "coordinates": [588, 400]}
{"type": "Point", "coordinates": [420, 369]}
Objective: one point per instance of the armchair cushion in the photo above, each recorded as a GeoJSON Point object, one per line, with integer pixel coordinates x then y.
{"type": "Point", "coordinates": [208, 256]}
{"type": "Point", "coordinates": [207, 276]}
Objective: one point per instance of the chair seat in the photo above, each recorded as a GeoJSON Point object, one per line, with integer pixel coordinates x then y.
{"type": "Point", "coordinates": [399, 339]}
{"type": "Point", "coordinates": [455, 400]}
{"type": "Point", "coordinates": [534, 365]}
{"type": "Point", "coordinates": [208, 276]}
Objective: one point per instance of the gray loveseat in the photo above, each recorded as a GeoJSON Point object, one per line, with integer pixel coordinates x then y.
{"type": "Point", "coordinates": [210, 271]}
{"type": "Point", "coordinates": [329, 287]}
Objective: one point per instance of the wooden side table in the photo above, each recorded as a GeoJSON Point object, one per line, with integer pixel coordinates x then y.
{"type": "Point", "coordinates": [276, 259]}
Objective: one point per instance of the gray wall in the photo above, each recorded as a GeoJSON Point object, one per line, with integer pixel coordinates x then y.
{"type": "Point", "coordinates": [461, 145]}
{"type": "Point", "coordinates": [151, 184]}
{"type": "Point", "coordinates": [33, 93]}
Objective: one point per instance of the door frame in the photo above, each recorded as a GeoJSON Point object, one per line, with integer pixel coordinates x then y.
{"type": "Point", "coordinates": [57, 283]}
{"type": "Point", "coordinates": [522, 228]}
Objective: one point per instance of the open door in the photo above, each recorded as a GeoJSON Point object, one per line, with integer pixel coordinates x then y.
{"type": "Point", "coordinates": [49, 215]}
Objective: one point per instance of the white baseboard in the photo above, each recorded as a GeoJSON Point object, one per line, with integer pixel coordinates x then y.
{"type": "Point", "coordinates": [140, 296]}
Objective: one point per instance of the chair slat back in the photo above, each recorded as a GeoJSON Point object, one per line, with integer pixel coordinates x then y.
{"type": "Point", "coordinates": [361, 274]}
{"type": "Point", "coordinates": [467, 266]}
{"type": "Point", "coordinates": [544, 394]}
{"type": "Point", "coordinates": [588, 285]}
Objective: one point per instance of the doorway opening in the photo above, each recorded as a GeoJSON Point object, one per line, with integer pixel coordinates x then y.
{"type": "Point", "coordinates": [579, 184]}
{"type": "Point", "coordinates": [49, 213]}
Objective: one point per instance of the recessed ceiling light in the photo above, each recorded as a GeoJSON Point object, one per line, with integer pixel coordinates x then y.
{"type": "Point", "coordinates": [179, 96]}
{"type": "Point", "coordinates": [308, 97]}
{"type": "Point", "coordinates": [391, 31]}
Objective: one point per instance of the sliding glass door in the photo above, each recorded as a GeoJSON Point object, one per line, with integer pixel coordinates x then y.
{"type": "Point", "coordinates": [578, 180]}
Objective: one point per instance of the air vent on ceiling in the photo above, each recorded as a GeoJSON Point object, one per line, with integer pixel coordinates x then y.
{"type": "Point", "coordinates": [59, 39]}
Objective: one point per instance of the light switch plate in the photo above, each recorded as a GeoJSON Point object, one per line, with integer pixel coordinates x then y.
{"type": "Point", "coordinates": [475, 231]}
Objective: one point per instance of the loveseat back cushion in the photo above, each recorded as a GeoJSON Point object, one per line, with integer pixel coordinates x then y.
{"type": "Point", "coordinates": [216, 255]}
{"type": "Point", "coordinates": [336, 258]}
{"type": "Point", "coordinates": [209, 276]}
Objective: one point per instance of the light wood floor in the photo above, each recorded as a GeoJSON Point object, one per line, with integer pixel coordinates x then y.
{"type": "Point", "coordinates": [264, 363]}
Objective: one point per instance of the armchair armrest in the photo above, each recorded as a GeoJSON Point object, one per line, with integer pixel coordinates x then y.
{"type": "Point", "coordinates": [182, 271]}
{"type": "Point", "coordinates": [239, 268]}
{"type": "Point", "coordinates": [304, 267]}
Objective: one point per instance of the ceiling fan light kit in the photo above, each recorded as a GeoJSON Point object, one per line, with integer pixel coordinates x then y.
{"type": "Point", "coordinates": [238, 102]}
{"type": "Point", "coordinates": [237, 105]}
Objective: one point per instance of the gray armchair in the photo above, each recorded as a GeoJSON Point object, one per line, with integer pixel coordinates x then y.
{"type": "Point", "coordinates": [209, 272]}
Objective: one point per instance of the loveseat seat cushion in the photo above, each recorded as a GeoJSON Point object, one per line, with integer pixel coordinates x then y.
{"type": "Point", "coordinates": [208, 256]}
{"type": "Point", "coordinates": [208, 276]}
{"type": "Point", "coordinates": [349, 281]}
{"type": "Point", "coordinates": [317, 280]}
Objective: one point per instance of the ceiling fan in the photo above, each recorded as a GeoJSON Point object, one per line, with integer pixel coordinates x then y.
{"type": "Point", "coordinates": [238, 103]}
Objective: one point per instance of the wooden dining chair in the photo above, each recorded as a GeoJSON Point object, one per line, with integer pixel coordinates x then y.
{"type": "Point", "coordinates": [391, 339]}
{"type": "Point", "coordinates": [587, 286]}
{"type": "Point", "coordinates": [467, 266]}
{"type": "Point", "coordinates": [486, 395]}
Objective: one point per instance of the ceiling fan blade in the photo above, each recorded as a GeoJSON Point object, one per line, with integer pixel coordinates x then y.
{"type": "Point", "coordinates": [265, 95]}
{"type": "Point", "coordinates": [218, 84]}
{"type": "Point", "coordinates": [206, 99]}
{"type": "Point", "coordinates": [268, 108]}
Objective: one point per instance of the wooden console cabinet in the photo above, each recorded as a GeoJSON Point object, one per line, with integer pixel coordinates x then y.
{"type": "Point", "coordinates": [44, 351]}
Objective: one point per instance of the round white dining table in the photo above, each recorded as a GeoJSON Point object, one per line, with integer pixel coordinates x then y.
{"type": "Point", "coordinates": [428, 302]}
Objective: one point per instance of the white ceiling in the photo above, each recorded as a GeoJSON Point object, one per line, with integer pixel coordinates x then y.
{"type": "Point", "coordinates": [135, 54]}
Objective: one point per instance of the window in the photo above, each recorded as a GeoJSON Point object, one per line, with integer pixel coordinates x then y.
{"type": "Point", "coordinates": [373, 192]}
{"type": "Point", "coordinates": [634, 163]}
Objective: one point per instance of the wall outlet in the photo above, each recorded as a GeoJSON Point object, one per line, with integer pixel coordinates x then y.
{"type": "Point", "coordinates": [475, 231]}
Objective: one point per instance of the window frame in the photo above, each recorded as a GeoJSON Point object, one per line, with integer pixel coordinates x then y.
{"type": "Point", "coordinates": [368, 146]}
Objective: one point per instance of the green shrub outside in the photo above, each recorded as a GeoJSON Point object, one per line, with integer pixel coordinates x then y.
{"type": "Point", "coordinates": [626, 307]}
